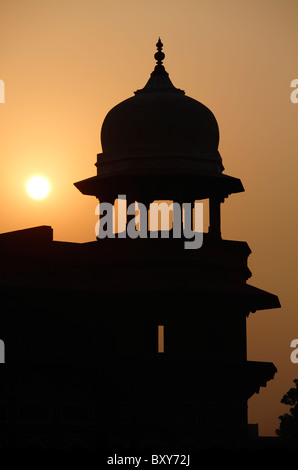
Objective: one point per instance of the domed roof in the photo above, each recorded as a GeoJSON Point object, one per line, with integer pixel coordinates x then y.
{"type": "Point", "coordinates": [159, 144]}
{"type": "Point", "coordinates": [159, 128]}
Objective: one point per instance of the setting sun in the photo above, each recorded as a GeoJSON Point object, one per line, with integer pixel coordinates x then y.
{"type": "Point", "coordinates": [38, 187]}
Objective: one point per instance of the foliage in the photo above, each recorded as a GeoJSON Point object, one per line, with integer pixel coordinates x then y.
{"type": "Point", "coordinates": [288, 427]}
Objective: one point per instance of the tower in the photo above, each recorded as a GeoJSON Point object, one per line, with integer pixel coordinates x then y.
{"type": "Point", "coordinates": [140, 343]}
{"type": "Point", "coordinates": [161, 144]}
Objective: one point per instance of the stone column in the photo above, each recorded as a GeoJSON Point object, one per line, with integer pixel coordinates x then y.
{"type": "Point", "coordinates": [214, 217]}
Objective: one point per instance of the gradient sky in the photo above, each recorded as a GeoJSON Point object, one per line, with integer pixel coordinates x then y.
{"type": "Point", "coordinates": [66, 63]}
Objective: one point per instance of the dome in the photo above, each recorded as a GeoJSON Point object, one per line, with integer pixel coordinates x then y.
{"type": "Point", "coordinates": [159, 128]}
{"type": "Point", "coordinates": [159, 145]}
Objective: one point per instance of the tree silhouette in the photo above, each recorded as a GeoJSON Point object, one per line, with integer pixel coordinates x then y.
{"type": "Point", "coordinates": [288, 426]}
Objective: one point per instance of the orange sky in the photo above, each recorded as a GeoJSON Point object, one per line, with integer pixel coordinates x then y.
{"type": "Point", "coordinates": [66, 63]}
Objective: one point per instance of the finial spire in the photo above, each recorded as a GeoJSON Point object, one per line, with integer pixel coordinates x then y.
{"type": "Point", "coordinates": [159, 55]}
{"type": "Point", "coordinates": [159, 79]}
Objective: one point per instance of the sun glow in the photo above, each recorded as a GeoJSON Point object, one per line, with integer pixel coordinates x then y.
{"type": "Point", "coordinates": [38, 187]}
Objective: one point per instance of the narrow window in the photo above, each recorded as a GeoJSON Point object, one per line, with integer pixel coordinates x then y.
{"type": "Point", "coordinates": [161, 342]}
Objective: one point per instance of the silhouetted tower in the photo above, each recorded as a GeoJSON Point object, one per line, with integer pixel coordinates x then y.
{"type": "Point", "coordinates": [163, 145]}
{"type": "Point", "coordinates": [133, 343]}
